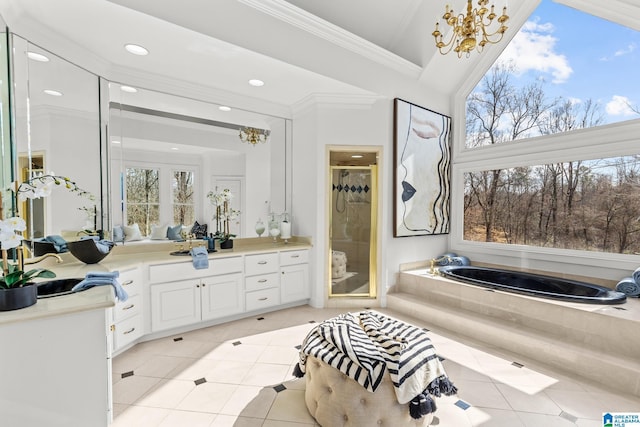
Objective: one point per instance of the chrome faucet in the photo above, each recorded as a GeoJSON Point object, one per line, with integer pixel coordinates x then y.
{"type": "Point", "coordinates": [40, 258]}
{"type": "Point", "coordinates": [432, 269]}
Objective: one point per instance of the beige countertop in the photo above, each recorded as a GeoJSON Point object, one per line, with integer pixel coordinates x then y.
{"type": "Point", "coordinates": [124, 257]}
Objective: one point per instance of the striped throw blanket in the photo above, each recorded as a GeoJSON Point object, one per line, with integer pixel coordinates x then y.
{"type": "Point", "coordinates": [366, 345]}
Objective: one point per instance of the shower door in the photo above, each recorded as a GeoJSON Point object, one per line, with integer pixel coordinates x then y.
{"type": "Point", "coordinates": [353, 231]}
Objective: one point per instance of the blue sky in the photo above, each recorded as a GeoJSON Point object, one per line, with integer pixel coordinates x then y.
{"type": "Point", "coordinates": [580, 56]}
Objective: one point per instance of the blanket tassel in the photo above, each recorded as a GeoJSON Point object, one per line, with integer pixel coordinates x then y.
{"type": "Point", "coordinates": [441, 385]}
{"type": "Point", "coordinates": [297, 372]}
{"type": "Point", "coordinates": [421, 405]}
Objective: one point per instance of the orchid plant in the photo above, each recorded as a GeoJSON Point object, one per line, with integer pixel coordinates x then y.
{"type": "Point", "coordinates": [223, 213]}
{"type": "Point", "coordinates": [11, 229]}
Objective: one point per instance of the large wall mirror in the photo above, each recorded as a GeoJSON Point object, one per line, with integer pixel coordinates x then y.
{"type": "Point", "coordinates": [168, 152]}
{"type": "Point", "coordinates": [73, 123]}
{"type": "Point", "coordinates": [57, 130]}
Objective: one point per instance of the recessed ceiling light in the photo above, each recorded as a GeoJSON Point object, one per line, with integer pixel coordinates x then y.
{"type": "Point", "coordinates": [175, 148]}
{"type": "Point", "coordinates": [357, 156]}
{"type": "Point", "coordinates": [37, 57]}
{"type": "Point", "coordinates": [224, 108]}
{"type": "Point", "coordinates": [136, 49]}
{"type": "Point", "coordinates": [52, 92]}
{"type": "Point", "coordinates": [128, 89]}
{"type": "Point", "coordinates": [115, 141]}
{"type": "Point", "coordinates": [256, 82]}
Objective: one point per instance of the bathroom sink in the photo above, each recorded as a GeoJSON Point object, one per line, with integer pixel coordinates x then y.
{"type": "Point", "coordinates": [180, 253]}
{"type": "Point", "coordinates": [54, 288]}
{"type": "Point", "coordinates": [187, 252]}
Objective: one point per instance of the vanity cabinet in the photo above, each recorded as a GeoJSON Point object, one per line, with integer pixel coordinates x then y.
{"type": "Point", "coordinates": [294, 276]}
{"type": "Point", "coordinates": [203, 295]}
{"type": "Point", "coordinates": [262, 283]}
{"type": "Point", "coordinates": [128, 317]}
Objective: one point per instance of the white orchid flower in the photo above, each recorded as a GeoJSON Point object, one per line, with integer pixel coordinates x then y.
{"type": "Point", "coordinates": [14, 224]}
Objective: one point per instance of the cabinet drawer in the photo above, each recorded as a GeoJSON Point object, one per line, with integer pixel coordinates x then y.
{"type": "Point", "coordinates": [125, 309]}
{"type": "Point", "coordinates": [127, 331]}
{"type": "Point", "coordinates": [294, 257]}
{"type": "Point", "coordinates": [184, 270]}
{"type": "Point", "coordinates": [131, 283]}
{"type": "Point", "coordinates": [263, 281]}
{"type": "Point", "coordinates": [261, 264]}
{"type": "Point", "coordinates": [261, 299]}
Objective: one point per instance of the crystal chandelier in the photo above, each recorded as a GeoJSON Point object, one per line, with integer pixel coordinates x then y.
{"type": "Point", "coordinates": [253, 135]}
{"type": "Point", "coordinates": [471, 31]}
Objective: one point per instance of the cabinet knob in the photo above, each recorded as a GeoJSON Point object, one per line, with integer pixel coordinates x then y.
{"type": "Point", "coordinates": [204, 284]}
{"type": "Point", "coordinates": [295, 256]}
{"type": "Point", "coordinates": [263, 299]}
{"type": "Point", "coordinates": [262, 262]}
{"type": "Point", "coordinates": [197, 286]}
{"type": "Point", "coordinates": [262, 280]}
{"type": "Point", "coordinates": [129, 331]}
{"type": "Point", "coordinates": [127, 283]}
{"type": "Point", "coordinates": [129, 307]}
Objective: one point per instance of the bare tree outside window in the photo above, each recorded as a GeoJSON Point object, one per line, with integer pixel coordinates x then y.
{"type": "Point", "coordinates": [183, 197]}
{"type": "Point", "coordinates": [143, 198]}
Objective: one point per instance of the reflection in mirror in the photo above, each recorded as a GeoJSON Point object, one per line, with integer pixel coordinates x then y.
{"type": "Point", "coordinates": [168, 152]}
{"type": "Point", "coordinates": [6, 176]}
{"type": "Point", "coordinates": [57, 130]}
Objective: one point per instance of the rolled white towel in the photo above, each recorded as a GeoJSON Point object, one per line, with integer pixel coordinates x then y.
{"type": "Point", "coordinates": [636, 275]}
{"type": "Point", "coordinates": [629, 287]}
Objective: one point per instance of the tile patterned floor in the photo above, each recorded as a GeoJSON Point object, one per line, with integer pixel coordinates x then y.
{"type": "Point", "coordinates": [240, 374]}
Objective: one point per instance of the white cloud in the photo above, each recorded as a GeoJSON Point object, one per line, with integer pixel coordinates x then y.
{"type": "Point", "coordinates": [533, 49]}
{"type": "Point", "coordinates": [619, 106]}
{"type": "Point", "coordinates": [626, 51]}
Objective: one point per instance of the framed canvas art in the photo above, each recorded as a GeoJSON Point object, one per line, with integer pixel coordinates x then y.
{"type": "Point", "coordinates": [422, 169]}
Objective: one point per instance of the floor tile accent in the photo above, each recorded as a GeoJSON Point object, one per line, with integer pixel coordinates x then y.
{"type": "Point", "coordinates": [240, 374]}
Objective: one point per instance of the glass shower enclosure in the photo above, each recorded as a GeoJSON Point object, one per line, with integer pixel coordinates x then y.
{"type": "Point", "coordinates": [353, 231]}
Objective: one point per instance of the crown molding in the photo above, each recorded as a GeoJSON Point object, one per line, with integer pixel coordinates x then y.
{"type": "Point", "coordinates": [305, 21]}
{"type": "Point", "coordinates": [350, 102]}
{"type": "Point", "coordinates": [623, 12]}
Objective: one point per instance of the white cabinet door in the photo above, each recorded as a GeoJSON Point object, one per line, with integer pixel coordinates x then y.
{"type": "Point", "coordinates": [175, 304]}
{"type": "Point", "coordinates": [222, 296]}
{"type": "Point", "coordinates": [294, 283]}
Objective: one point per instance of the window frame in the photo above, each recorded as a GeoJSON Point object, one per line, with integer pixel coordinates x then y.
{"type": "Point", "coordinates": [166, 197]}
{"type": "Point", "coordinates": [610, 140]}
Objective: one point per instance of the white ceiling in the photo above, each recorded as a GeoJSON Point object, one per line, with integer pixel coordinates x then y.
{"type": "Point", "coordinates": [304, 50]}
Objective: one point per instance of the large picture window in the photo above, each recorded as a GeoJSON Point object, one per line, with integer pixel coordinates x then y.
{"type": "Point", "coordinates": [584, 205]}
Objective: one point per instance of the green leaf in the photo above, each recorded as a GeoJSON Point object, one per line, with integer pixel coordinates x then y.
{"type": "Point", "coordinates": [39, 272]}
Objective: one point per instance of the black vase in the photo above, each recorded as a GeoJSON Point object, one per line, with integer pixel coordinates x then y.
{"type": "Point", "coordinates": [227, 244]}
{"type": "Point", "coordinates": [17, 298]}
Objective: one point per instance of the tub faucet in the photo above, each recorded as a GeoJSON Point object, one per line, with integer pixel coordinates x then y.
{"type": "Point", "coordinates": [40, 258]}
{"type": "Point", "coordinates": [432, 269]}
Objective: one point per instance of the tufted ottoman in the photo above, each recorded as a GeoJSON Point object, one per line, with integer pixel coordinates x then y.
{"type": "Point", "coordinates": [338, 264]}
{"type": "Point", "coordinates": [336, 400]}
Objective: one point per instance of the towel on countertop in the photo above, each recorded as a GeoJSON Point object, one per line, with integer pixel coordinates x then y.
{"type": "Point", "coordinates": [629, 287]}
{"type": "Point", "coordinates": [636, 275]}
{"type": "Point", "coordinates": [58, 242]}
{"type": "Point", "coordinates": [200, 257]}
{"type": "Point", "coordinates": [97, 278]}
{"type": "Point", "coordinates": [103, 245]}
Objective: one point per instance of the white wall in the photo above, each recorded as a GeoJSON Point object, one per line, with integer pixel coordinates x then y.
{"type": "Point", "coordinates": [325, 126]}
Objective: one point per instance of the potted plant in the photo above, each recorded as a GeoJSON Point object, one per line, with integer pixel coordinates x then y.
{"type": "Point", "coordinates": [223, 215]}
{"type": "Point", "coordinates": [16, 289]}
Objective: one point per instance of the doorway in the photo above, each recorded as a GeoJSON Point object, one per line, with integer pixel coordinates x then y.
{"type": "Point", "coordinates": [353, 224]}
